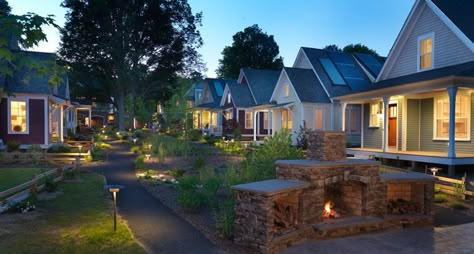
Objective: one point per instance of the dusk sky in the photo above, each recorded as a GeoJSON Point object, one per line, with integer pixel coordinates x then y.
{"type": "Point", "coordinates": [314, 23]}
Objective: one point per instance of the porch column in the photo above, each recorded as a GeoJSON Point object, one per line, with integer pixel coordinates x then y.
{"type": "Point", "coordinates": [332, 116]}
{"type": "Point", "coordinates": [385, 124]}
{"type": "Point", "coordinates": [302, 116]}
{"type": "Point", "coordinates": [452, 91]}
{"type": "Point", "coordinates": [270, 123]}
{"type": "Point", "coordinates": [255, 125]}
{"type": "Point", "coordinates": [61, 124]}
{"type": "Point", "coordinates": [343, 116]}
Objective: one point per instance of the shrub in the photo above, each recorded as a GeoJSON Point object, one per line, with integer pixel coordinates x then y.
{"type": "Point", "coordinates": [301, 137]}
{"type": "Point", "coordinates": [198, 162]}
{"type": "Point", "coordinates": [176, 173]}
{"type": "Point", "coordinates": [140, 162]}
{"type": "Point", "coordinates": [457, 205]}
{"type": "Point", "coordinates": [437, 189]}
{"type": "Point", "coordinates": [13, 145]}
{"type": "Point", "coordinates": [459, 190]}
{"type": "Point", "coordinates": [60, 149]}
{"type": "Point", "coordinates": [224, 216]}
{"type": "Point", "coordinates": [34, 148]}
{"type": "Point", "coordinates": [50, 185]}
{"type": "Point", "coordinates": [259, 164]}
{"type": "Point", "coordinates": [189, 197]}
{"type": "Point", "coordinates": [440, 198]}
{"type": "Point", "coordinates": [194, 134]}
{"type": "Point", "coordinates": [135, 149]}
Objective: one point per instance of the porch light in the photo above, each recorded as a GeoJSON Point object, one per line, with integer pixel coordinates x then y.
{"type": "Point", "coordinates": [434, 170]}
{"type": "Point", "coordinates": [114, 189]}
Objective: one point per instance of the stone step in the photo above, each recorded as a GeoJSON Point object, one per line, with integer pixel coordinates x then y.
{"type": "Point", "coordinates": [348, 226]}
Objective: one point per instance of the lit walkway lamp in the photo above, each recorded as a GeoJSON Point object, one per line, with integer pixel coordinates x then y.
{"type": "Point", "coordinates": [114, 189]}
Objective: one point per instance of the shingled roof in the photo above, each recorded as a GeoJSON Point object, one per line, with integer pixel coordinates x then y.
{"type": "Point", "coordinates": [307, 85]}
{"type": "Point", "coordinates": [241, 95]}
{"type": "Point", "coordinates": [261, 83]}
{"type": "Point", "coordinates": [26, 81]}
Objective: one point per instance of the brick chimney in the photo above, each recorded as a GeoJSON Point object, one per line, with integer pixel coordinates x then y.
{"type": "Point", "coordinates": [326, 145]}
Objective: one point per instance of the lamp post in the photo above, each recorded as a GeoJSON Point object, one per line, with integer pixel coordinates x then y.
{"type": "Point", "coordinates": [149, 146]}
{"type": "Point", "coordinates": [114, 189]}
{"type": "Point", "coordinates": [135, 141]}
{"type": "Point", "coordinates": [434, 170]}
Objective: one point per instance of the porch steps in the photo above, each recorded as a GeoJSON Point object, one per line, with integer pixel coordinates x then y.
{"type": "Point", "coordinates": [348, 226]}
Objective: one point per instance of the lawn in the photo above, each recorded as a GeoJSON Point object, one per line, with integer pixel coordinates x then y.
{"type": "Point", "coordinates": [78, 221]}
{"type": "Point", "coordinates": [11, 177]}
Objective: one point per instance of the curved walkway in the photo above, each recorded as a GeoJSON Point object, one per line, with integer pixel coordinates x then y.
{"type": "Point", "coordinates": [154, 225]}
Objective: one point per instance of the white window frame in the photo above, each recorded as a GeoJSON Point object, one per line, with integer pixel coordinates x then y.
{"type": "Point", "coordinates": [286, 90]}
{"type": "Point", "coordinates": [285, 122]}
{"type": "Point", "coordinates": [27, 131]}
{"type": "Point", "coordinates": [323, 118]}
{"type": "Point", "coordinates": [418, 56]}
{"type": "Point", "coordinates": [374, 106]}
{"type": "Point", "coordinates": [265, 120]}
{"type": "Point", "coordinates": [251, 119]}
{"type": "Point", "coordinates": [228, 98]}
{"type": "Point", "coordinates": [468, 116]}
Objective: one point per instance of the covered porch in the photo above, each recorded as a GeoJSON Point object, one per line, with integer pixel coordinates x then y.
{"type": "Point", "coordinates": [207, 120]}
{"type": "Point", "coordinates": [427, 121]}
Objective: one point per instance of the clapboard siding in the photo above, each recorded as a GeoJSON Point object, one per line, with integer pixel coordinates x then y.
{"type": "Point", "coordinates": [413, 125]}
{"type": "Point", "coordinates": [426, 135]}
{"type": "Point", "coordinates": [372, 136]}
{"type": "Point", "coordinates": [399, 124]}
{"type": "Point", "coordinates": [448, 48]}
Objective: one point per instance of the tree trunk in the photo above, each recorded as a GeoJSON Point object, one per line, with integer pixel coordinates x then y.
{"type": "Point", "coordinates": [120, 108]}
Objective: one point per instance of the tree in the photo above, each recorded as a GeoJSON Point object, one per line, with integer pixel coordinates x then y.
{"type": "Point", "coordinates": [332, 47]}
{"type": "Point", "coordinates": [130, 46]}
{"type": "Point", "coordinates": [251, 48]}
{"type": "Point", "coordinates": [359, 48]}
{"type": "Point", "coordinates": [23, 32]}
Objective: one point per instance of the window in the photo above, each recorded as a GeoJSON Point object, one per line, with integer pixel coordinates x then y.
{"type": "Point", "coordinates": [18, 117]}
{"type": "Point", "coordinates": [228, 98]}
{"type": "Point", "coordinates": [441, 125]}
{"type": "Point", "coordinates": [286, 119]}
{"type": "Point", "coordinates": [319, 119]}
{"type": "Point", "coordinates": [248, 120]}
{"type": "Point", "coordinates": [375, 109]}
{"type": "Point", "coordinates": [287, 90]}
{"type": "Point", "coordinates": [265, 120]}
{"type": "Point", "coordinates": [425, 52]}
{"type": "Point", "coordinates": [228, 115]}
{"type": "Point", "coordinates": [214, 119]}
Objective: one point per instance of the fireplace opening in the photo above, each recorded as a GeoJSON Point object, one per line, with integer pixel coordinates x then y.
{"type": "Point", "coordinates": [405, 199]}
{"type": "Point", "coordinates": [342, 199]}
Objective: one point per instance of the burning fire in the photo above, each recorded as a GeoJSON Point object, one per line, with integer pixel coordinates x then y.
{"type": "Point", "coordinates": [329, 212]}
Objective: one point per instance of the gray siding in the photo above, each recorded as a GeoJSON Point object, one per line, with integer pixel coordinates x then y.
{"type": "Point", "coordinates": [426, 135]}
{"type": "Point", "coordinates": [372, 136]}
{"type": "Point", "coordinates": [448, 48]}
{"type": "Point", "coordinates": [413, 125]}
{"type": "Point", "coordinates": [400, 124]}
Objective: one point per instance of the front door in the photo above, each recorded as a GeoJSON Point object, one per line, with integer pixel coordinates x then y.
{"type": "Point", "coordinates": [392, 125]}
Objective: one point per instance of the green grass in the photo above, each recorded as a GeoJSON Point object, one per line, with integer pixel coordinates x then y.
{"type": "Point", "coordinates": [11, 177]}
{"type": "Point", "coordinates": [440, 198]}
{"type": "Point", "coordinates": [79, 221]}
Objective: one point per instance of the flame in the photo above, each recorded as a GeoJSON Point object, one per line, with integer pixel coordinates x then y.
{"type": "Point", "coordinates": [327, 207]}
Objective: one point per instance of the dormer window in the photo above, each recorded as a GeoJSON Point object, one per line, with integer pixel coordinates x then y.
{"type": "Point", "coordinates": [425, 52]}
{"type": "Point", "coordinates": [287, 90]}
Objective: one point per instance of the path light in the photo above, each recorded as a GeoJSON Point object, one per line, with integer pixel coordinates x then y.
{"type": "Point", "coordinates": [135, 141]}
{"type": "Point", "coordinates": [147, 157]}
{"type": "Point", "coordinates": [434, 170]}
{"type": "Point", "coordinates": [149, 146]}
{"type": "Point", "coordinates": [80, 148]}
{"type": "Point", "coordinates": [114, 189]}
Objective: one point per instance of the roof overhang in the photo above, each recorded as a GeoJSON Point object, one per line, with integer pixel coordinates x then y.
{"type": "Point", "coordinates": [409, 88]}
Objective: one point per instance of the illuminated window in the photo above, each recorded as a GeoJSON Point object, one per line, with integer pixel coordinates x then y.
{"type": "Point", "coordinates": [265, 120]}
{"type": "Point", "coordinates": [228, 115]}
{"type": "Point", "coordinates": [228, 98]}
{"type": "Point", "coordinates": [375, 109]}
{"type": "Point", "coordinates": [425, 52]}
{"type": "Point", "coordinates": [248, 120]}
{"type": "Point", "coordinates": [287, 90]}
{"type": "Point", "coordinates": [463, 111]}
{"type": "Point", "coordinates": [318, 123]}
{"type": "Point", "coordinates": [18, 117]}
{"type": "Point", "coordinates": [286, 119]}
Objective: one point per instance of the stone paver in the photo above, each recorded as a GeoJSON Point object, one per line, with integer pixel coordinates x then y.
{"type": "Point", "coordinates": [453, 240]}
{"type": "Point", "coordinates": [154, 225]}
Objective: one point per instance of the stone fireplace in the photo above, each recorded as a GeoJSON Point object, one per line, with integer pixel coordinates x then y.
{"type": "Point", "coordinates": [328, 195]}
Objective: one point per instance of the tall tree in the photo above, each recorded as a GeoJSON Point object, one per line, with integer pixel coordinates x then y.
{"type": "Point", "coordinates": [125, 45]}
{"type": "Point", "coordinates": [251, 48]}
{"type": "Point", "coordinates": [19, 32]}
{"type": "Point", "coordinates": [359, 48]}
{"type": "Point", "coordinates": [332, 47]}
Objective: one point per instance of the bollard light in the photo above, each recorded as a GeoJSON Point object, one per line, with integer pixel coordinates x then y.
{"type": "Point", "coordinates": [114, 189]}
{"type": "Point", "coordinates": [149, 146]}
{"type": "Point", "coordinates": [434, 170]}
{"type": "Point", "coordinates": [135, 141]}
{"type": "Point", "coordinates": [147, 157]}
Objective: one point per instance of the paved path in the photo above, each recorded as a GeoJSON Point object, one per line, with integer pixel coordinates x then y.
{"type": "Point", "coordinates": [155, 226]}
{"type": "Point", "coordinates": [453, 240]}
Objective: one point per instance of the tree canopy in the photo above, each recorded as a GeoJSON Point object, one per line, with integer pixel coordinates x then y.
{"type": "Point", "coordinates": [19, 32]}
{"type": "Point", "coordinates": [251, 48]}
{"type": "Point", "coordinates": [130, 47]}
{"type": "Point", "coordinates": [352, 48]}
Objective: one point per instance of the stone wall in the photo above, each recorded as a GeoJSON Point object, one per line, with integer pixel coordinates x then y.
{"type": "Point", "coordinates": [326, 145]}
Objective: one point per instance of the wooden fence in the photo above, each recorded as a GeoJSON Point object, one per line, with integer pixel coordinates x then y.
{"type": "Point", "coordinates": [455, 187]}
{"type": "Point", "coordinates": [24, 189]}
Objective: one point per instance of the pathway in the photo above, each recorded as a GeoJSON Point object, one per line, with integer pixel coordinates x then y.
{"type": "Point", "coordinates": [154, 225]}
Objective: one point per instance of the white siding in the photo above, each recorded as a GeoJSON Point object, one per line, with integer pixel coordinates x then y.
{"type": "Point", "coordinates": [448, 48]}
{"type": "Point", "coordinates": [302, 61]}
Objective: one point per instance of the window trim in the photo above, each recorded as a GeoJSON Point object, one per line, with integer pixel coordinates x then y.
{"type": "Point", "coordinates": [376, 124]}
{"type": "Point", "coordinates": [27, 101]}
{"type": "Point", "coordinates": [418, 55]}
{"type": "Point", "coordinates": [468, 116]}
{"type": "Point", "coordinates": [251, 120]}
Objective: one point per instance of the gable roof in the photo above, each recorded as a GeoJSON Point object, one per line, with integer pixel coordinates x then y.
{"type": "Point", "coordinates": [191, 93]}
{"type": "Point", "coordinates": [460, 13]}
{"type": "Point", "coordinates": [307, 85]}
{"type": "Point", "coordinates": [261, 83]}
{"type": "Point", "coordinates": [241, 95]}
{"type": "Point", "coordinates": [216, 89]}
{"type": "Point", "coordinates": [315, 55]}
{"type": "Point", "coordinates": [36, 84]}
